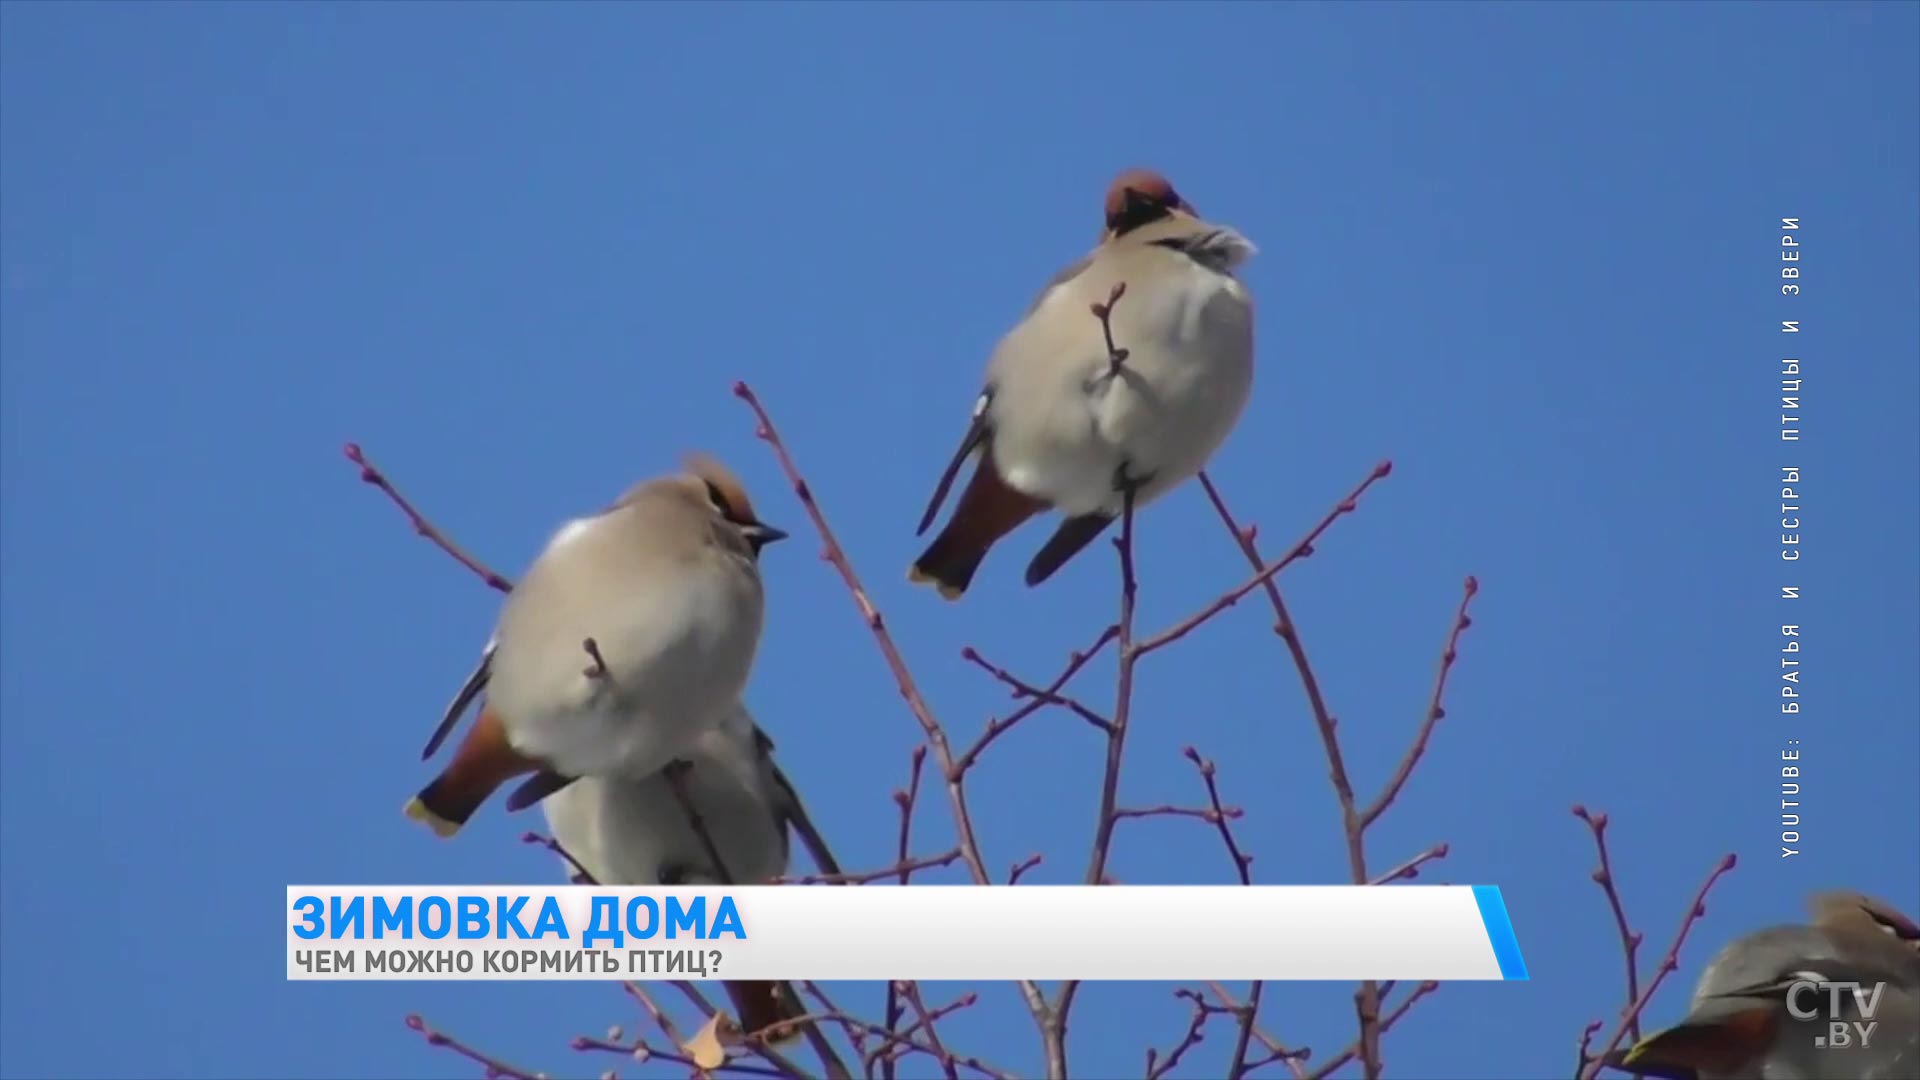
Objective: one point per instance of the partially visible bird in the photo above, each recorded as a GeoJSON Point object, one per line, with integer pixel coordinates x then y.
{"type": "Point", "coordinates": [1080, 412]}
{"type": "Point", "coordinates": [632, 633]}
{"type": "Point", "coordinates": [1740, 1026]}
{"type": "Point", "coordinates": [1869, 927]}
{"type": "Point", "coordinates": [624, 831]}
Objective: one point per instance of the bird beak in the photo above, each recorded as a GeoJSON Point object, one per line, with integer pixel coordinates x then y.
{"type": "Point", "coordinates": [762, 534]}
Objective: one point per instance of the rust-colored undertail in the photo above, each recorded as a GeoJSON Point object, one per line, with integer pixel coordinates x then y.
{"type": "Point", "coordinates": [484, 761]}
{"type": "Point", "coordinates": [988, 510]}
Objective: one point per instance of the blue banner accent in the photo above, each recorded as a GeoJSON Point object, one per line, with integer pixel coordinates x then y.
{"type": "Point", "coordinates": [1506, 947]}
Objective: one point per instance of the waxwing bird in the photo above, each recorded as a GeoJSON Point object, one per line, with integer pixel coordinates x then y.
{"type": "Point", "coordinates": [631, 634]}
{"type": "Point", "coordinates": [1741, 1025]}
{"type": "Point", "coordinates": [1081, 412]}
{"type": "Point", "coordinates": [636, 831]}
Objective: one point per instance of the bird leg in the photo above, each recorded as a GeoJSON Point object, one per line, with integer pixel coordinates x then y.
{"type": "Point", "coordinates": [1116, 356]}
{"type": "Point", "coordinates": [1127, 484]}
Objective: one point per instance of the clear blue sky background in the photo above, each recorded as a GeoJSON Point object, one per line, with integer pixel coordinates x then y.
{"type": "Point", "coordinates": [1529, 252]}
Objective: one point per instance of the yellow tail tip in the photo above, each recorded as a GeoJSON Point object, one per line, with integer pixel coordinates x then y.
{"type": "Point", "coordinates": [441, 827]}
{"type": "Point", "coordinates": [921, 577]}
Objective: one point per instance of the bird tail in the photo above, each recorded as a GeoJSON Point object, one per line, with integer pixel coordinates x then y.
{"type": "Point", "coordinates": [989, 509]}
{"type": "Point", "coordinates": [484, 761]}
{"type": "Point", "coordinates": [766, 1009]}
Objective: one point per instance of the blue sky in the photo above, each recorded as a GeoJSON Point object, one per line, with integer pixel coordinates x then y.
{"type": "Point", "coordinates": [1529, 252]}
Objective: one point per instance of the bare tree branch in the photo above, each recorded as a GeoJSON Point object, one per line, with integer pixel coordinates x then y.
{"type": "Point", "coordinates": [906, 799]}
{"type": "Point", "coordinates": [1354, 821]}
{"type": "Point", "coordinates": [897, 870]}
{"type": "Point", "coordinates": [1630, 938]}
{"type": "Point", "coordinates": [372, 475]}
{"type": "Point", "coordinates": [909, 690]}
{"type": "Point", "coordinates": [1590, 1066]}
{"type": "Point", "coordinates": [1411, 868]}
{"type": "Point", "coordinates": [493, 1065]}
{"type": "Point", "coordinates": [584, 876]}
{"type": "Point", "coordinates": [1159, 1065]}
{"type": "Point", "coordinates": [1040, 699]}
{"type": "Point", "coordinates": [909, 1026]}
{"type": "Point", "coordinates": [1022, 689]}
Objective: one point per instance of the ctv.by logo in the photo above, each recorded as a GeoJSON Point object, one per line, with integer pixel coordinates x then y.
{"type": "Point", "coordinates": [1841, 1034]}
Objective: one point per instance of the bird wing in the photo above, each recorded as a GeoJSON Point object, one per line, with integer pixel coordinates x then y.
{"type": "Point", "coordinates": [793, 811]}
{"type": "Point", "coordinates": [469, 690]}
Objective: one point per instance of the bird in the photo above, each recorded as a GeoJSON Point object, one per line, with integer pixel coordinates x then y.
{"type": "Point", "coordinates": [621, 830]}
{"type": "Point", "coordinates": [1122, 379]}
{"type": "Point", "coordinates": [1739, 1026]}
{"type": "Point", "coordinates": [632, 633]}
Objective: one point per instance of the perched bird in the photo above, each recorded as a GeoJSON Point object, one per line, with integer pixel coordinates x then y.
{"type": "Point", "coordinates": [1080, 412]}
{"type": "Point", "coordinates": [624, 831]}
{"type": "Point", "coordinates": [1740, 1026]}
{"type": "Point", "coordinates": [631, 634]}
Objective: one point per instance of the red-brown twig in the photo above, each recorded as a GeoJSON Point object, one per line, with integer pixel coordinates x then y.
{"type": "Point", "coordinates": [1023, 689]}
{"type": "Point", "coordinates": [1248, 1015]}
{"type": "Point", "coordinates": [1630, 938]}
{"type": "Point", "coordinates": [1122, 699]}
{"type": "Point", "coordinates": [1354, 820]}
{"type": "Point", "coordinates": [1357, 1047]}
{"type": "Point", "coordinates": [928, 1018]}
{"type": "Point", "coordinates": [1116, 356]}
{"type": "Point", "coordinates": [1289, 634]}
{"type": "Point", "coordinates": [1244, 1015]}
{"type": "Point", "coordinates": [1411, 868]}
{"type": "Point", "coordinates": [642, 1051]}
{"type": "Point", "coordinates": [870, 614]}
{"type": "Point", "coordinates": [1637, 1004]}
{"type": "Point", "coordinates": [1586, 1042]}
{"type": "Point", "coordinates": [900, 869]}
{"type": "Point", "coordinates": [494, 1066]}
{"type": "Point", "coordinates": [426, 528]}
{"type": "Point", "coordinates": [1242, 862]}
{"type": "Point", "coordinates": [548, 842]}
{"type": "Point", "coordinates": [1021, 867]}
{"type": "Point", "coordinates": [902, 1042]}
{"type": "Point", "coordinates": [1199, 813]}
{"type": "Point", "coordinates": [857, 1038]}
{"type": "Point", "coordinates": [909, 690]}
{"type": "Point", "coordinates": [1266, 574]}
{"type": "Point", "coordinates": [598, 669]}
{"type": "Point", "coordinates": [1159, 1065]}
{"type": "Point", "coordinates": [906, 800]}
{"type": "Point", "coordinates": [1436, 709]}
{"type": "Point", "coordinates": [1054, 1033]}
{"type": "Point", "coordinates": [1044, 696]}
